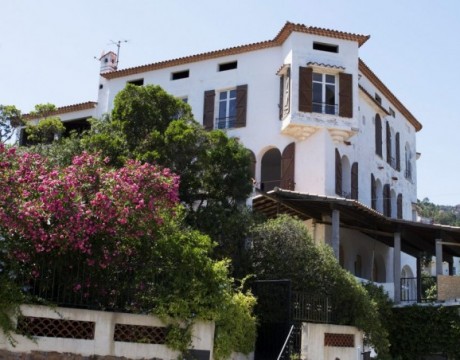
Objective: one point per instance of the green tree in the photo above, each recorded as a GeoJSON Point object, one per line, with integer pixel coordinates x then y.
{"type": "Point", "coordinates": [150, 125]}
{"type": "Point", "coordinates": [283, 249]}
{"type": "Point", "coordinates": [10, 118]}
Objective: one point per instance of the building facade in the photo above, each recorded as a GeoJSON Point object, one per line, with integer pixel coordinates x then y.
{"type": "Point", "coordinates": [316, 119]}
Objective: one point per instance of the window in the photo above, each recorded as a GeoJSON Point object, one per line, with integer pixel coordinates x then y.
{"type": "Point", "coordinates": [408, 163]}
{"type": "Point", "coordinates": [228, 66]}
{"type": "Point", "coordinates": [232, 106]}
{"type": "Point", "coordinates": [285, 93]}
{"type": "Point", "coordinates": [373, 193]}
{"type": "Point", "coordinates": [227, 109]}
{"type": "Point", "coordinates": [324, 94]}
{"type": "Point", "coordinates": [389, 152]}
{"type": "Point", "coordinates": [138, 82]}
{"type": "Point", "coordinates": [326, 47]}
{"type": "Point", "coordinates": [387, 200]}
{"type": "Point", "coordinates": [399, 211]}
{"type": "Point", "coordinates": [338, 173]}
{"type": "Point", "coordinates": [378, 135]}
{"type": "Point", "coordinates": [354, 181]}
{"type": "Point", "coordinates": [180, 75]}
{"type": "Point", "coordinates": [392, 112]}
{"type": "Point", "coordinates": [378, 98]}
{"type": "Point", "coordinates": [319, 92]}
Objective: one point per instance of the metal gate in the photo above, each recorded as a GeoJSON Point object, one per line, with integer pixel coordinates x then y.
{"type": "Point", "coordinates": [273, 311]}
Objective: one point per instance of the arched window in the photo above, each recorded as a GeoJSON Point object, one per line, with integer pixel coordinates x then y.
{"type": "Point", "coordinates": [373, 193]}
{"type": "Point", "coordinates": [387, 200]}
{"type": "Point", "coordinates": [388, 138]}
{"type": "Point", "coordinates": [270, 170]}
{"type": "Point", "coordinates": [408, 284]}
{"type": "Point", "coordinates": [399, 212]}
{"type": "Point", "coordinates": [398, 152]}
{"type": "Point", "coordinates": [354, 181]}
{"type": "Point", "coordinates": [378, 135]}
{"type": "Point", "coordinates": [379, 195]}
{"type": "Point", "coordinates": [338, 173]}
{"type": "Point", "coordinates": [408, 162]}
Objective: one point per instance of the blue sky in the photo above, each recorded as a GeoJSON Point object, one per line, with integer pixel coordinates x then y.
{"type": "Point", "coordinates": [47, 51]}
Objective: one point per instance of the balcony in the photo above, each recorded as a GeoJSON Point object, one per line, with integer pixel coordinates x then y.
{"type": "Point", "coordinates": [301, 125]}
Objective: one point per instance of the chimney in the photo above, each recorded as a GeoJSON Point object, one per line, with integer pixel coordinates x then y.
{"type": "Point", "coordinates": [108, 62]}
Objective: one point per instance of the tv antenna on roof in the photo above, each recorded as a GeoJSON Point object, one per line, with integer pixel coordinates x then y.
{"type": "Point", "coordinates": [118, 45]}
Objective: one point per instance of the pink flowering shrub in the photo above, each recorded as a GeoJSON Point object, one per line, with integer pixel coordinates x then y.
{"type": "Point", "coordinates": [86, 214]}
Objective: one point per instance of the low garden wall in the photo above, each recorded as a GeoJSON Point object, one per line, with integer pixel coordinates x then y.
{"type": "Point", "coordinates": [58, 332]}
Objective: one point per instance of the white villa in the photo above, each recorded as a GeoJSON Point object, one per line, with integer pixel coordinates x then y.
{"type": "Point", "coordinates": [330, 143]}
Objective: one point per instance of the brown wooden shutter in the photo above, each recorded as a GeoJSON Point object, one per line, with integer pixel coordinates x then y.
{"type": "Point", "coordinates": [346, 95]}
{"type": "Point", "coordinates": [386, 200]}
{"type": "Point", "coordinates": [373, 193]}
{"type": "Point", "coordinates": [400, 207]}
{"type": "Point", "coordinates": [241, 105]}
{"type": "Point", "coordinates": [338, 173]}
{"type": "Point", "coordinates": [208, 113]}
{"type": "Point", "coordinates": [398, 152]}
{"type": "Point", "coordinates": [288, 167]}
{"type": "Point", "coordinates": [388, 134]}
{"type": "Point", "coordinates": [354, 181]}
{"type": "Point", "coordinates": [305, 89]}
{"type": "Point", "coordinates": [378, 135]}
{"type": "Point", "coordinates": [281, 104]}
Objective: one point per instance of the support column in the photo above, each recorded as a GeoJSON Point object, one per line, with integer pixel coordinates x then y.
{"type": "Point", "coordinates": [397, 267]}
{"type": "Point", "coordinates": [438, 257]}
{"type": "Point", "coordinates": [335, 241]}
{"type": "Point", "coordinates": [419, 278]}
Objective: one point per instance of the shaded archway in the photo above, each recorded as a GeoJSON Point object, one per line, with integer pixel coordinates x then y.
{"type": "Point", "coordinates": [270, 170]}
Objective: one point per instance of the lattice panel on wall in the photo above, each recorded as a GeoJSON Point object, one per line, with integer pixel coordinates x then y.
{"type": "Point", "coordinates": [140, 334]}
{"type": "Point", "coordinates": [57, 328]}
{"type": "Point", "coordinates": [339, 340]}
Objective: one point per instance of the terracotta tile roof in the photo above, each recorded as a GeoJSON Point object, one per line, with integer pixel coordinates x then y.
{"type": "Point", "coordinates": [279, 39]}
{"type": "Point", "coordinates": [66, 109]}
{"type": "Point", "coordinates": [376, 103]}
{"type": "Point", "coordinates": [389, 95]}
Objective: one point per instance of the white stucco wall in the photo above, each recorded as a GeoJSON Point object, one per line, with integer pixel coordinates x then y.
{"type": "Point", "coordinates": [103, 344]}
{"type": "Point", "coordinates": [312, 346]}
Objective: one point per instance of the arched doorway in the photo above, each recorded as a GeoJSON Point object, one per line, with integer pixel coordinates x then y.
{"type": "Point", "coordinates": [270, 170]}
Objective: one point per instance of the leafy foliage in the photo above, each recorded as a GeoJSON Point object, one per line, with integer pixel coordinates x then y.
{"type": "Point", "coordinates": [10, 118]}
{"type": "Point", "coordinates": [45, 131]}
{"type": "Point", "coordinates": [417, 331]}
{"type": "Point", "coordinates": [283, 249]}
{"type": "Point", "coordinates": [124, 226]}
{"type": "Point", "coordinates": [11, 298]}
{"type": "Point", "coordinates": [439, 214]}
